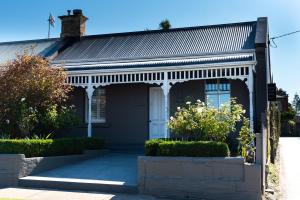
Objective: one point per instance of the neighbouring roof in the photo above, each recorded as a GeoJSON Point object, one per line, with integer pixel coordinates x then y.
{"type": "Point", "coordinates": [42, 47]}
{"type": "Point", "coordinates": [179, 42]}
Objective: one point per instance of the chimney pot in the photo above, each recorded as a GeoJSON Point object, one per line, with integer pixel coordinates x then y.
{"type": "Point", "coordinates": [77, 12]}
{"type": "Point", "coordinates": [69, 12]}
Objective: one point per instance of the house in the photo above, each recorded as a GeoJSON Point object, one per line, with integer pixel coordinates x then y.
{"type": "Point", "coordinates": [128, 84]}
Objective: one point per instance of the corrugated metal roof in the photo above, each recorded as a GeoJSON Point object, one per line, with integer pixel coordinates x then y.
{"type": "Point", "coordinates": [174, 42]}
{"type": "Point", "coordinates": [164, 63]}
{"type": "Point", "coordinates": [44, 47]}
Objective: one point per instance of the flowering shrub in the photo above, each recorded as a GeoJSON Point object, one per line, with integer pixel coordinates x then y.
{"type": "Point", "coordinates": [201, 122]}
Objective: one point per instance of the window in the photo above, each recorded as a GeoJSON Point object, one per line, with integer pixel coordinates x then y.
{"type": "Point", "coordinates": [217, 92]}
{"type": "Point", "coordinates": [98, 106]}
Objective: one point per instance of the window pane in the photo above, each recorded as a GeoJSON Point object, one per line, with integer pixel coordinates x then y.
{"type": "Point", "coordinates": [224, 86]}
{"type": "Point", "coordinates": [212, 100]}
{"type": "Point", "coordinates": [98, 105]}
{"type": "Point", "coordinates": [211, 87]}
{"type": "Point", "coordinates": [224, 98]}
{"type": "Point", "coordinates": [217, 93]}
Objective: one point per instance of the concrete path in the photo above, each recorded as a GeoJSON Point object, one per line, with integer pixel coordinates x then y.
{"type": "Point", "coordinates": [115, 167]}
{"type": "Point", "coordinates": [290, 168]}
{"type": "Point", "coordinates": [29, 194]}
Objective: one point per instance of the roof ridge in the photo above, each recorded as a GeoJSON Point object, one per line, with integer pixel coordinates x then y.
{"type": "Point", "coordinates": [170, 30]}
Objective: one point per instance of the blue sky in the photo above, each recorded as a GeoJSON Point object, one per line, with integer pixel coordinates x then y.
{"type": "Point", "coordinates": [22, 20]}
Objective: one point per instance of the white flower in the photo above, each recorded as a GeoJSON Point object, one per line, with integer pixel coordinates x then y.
{"type": "Point", "coordinates": [198, 101]}
{"type": "Point", "coordinates": [171, 118]}
{"type": "Point", "coordinates": [188, 103]}
{"type": "Point", "coordinates": [178, 108]}
{"type": "Point", "coordinates": [199, 109]}
{"type": "Point", "coordinates": [7, 121]}
{"type": "Point", "coordinates": [244, 111]}
{"type": "Point", "coordinates": [30, 109]}
{"type": "Point", "coordinates": [23, 99]}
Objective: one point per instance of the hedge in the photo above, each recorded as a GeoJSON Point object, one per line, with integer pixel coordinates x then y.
{"type": "Point", "coordinates": [159, 147]}
{"type": "Point", "coordinates": [49, 147]}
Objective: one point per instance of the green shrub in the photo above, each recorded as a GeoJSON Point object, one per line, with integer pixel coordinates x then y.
{"type": "Point", "coordinates": [186, 148]}
{"type": "Point", "coordinates": [151, 146]}
{"type": "Point", "coordinates": [48, 147]}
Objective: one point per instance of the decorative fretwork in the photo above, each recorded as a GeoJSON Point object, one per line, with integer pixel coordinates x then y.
{"type": "Point", "coordinates": [159, 77]}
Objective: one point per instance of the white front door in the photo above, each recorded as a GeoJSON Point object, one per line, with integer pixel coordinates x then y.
{"type": "Point", "coordinates": [156, 113]}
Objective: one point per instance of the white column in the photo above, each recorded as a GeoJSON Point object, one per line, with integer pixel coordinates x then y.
{"type": "Point", "coordinates": [250, 88]}
{"type": "Point", "coordinates": [166, 88]}
{"type": "Point", "coordinates": [90, 91]}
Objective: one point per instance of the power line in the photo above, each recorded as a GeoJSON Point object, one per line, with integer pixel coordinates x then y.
{"type": "Point", "coordinates": [273, 44]}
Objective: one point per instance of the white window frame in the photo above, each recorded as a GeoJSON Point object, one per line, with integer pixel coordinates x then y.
{"type": "Point", "coordinates": [101, 120]}
{"type": "Point", "coordinates": [218, 92]}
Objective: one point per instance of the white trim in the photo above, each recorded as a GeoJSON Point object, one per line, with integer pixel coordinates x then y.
{"type": "Point", "coordinates": [157, 77]}
{"type": "Point", "coordinates": [250, 85]}
{"type": "Point", "coordinates": [166, 91]}
{"type": "Point", "coordinates": [89, 91]}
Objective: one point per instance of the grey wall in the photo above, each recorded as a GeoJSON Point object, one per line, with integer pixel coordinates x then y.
{"type": "Point", "coordinates": [126, 115]}
{"type": "Point", "coordinates": [186, 91]}
{"type": "Point", "coordinates": [263, 72]}
{"type": "Point", "coordinates": [197, 178]}
{"type": "Point", "coordinates": [127, 109]}
{"type": "Point", "coordinates": [10, 170]}
{"type": "Point", "coordinates": [193, 90]}
{"type": "Point", "coordinates": [261, 92]}
{"type": "Point", "coordinates": [240, 91]}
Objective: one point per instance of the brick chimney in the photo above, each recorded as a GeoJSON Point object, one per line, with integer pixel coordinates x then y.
{"type": "Point", "coordinates": [73, 25]}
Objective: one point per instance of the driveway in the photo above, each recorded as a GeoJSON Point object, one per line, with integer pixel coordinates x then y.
{"type": "Point", "coordinates": [114, 167]}
{"type": "Point", "coordinates": [290, 168]}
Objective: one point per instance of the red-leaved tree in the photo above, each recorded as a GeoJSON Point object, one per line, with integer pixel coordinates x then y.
{"type": "Point", "coordinates": [33, 96]}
